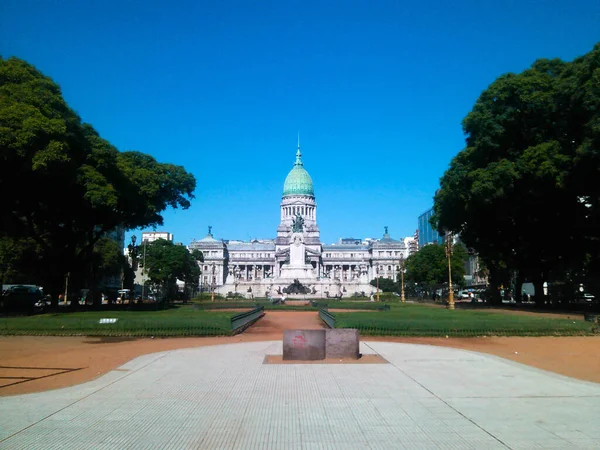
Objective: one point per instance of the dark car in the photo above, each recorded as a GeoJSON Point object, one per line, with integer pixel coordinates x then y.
{"type": "Point", "coordinates": [21, 298]}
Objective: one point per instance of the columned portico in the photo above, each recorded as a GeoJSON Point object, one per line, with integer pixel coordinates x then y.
{"type": "Point", "coordinates": [267, 267]}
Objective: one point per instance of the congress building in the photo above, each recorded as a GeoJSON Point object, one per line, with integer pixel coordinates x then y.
{"type": "Point", "coordinates": [296, 263]}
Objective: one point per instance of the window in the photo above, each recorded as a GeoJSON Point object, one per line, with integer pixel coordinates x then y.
{"type": "Point", "coordinates": [389, 267]}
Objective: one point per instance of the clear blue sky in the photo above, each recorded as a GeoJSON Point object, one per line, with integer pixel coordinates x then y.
{"type": "Point", "coordinates": [377, 90]}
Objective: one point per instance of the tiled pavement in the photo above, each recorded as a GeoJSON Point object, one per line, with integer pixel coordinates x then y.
{"type": "Point", "coordinates": [225, 397]}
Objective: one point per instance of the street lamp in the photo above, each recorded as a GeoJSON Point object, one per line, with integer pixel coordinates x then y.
{"type": "Point", "coordinates": [377, 272]}
{"type": "Point", "coordinates": [143, 269]}
{"type": "Point", "coordinates": [402, 298]}
{"type": "Point", "coordinates": [212, 296]}
{"type": "Point", "coordinates": [449, 256]}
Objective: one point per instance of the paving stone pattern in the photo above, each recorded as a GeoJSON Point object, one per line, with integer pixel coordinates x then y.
{"type": "Point", "coordinates": [223, 397]}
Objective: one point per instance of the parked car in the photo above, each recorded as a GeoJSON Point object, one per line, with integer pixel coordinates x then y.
{"type": "Point", "coordinates": [22, 298]}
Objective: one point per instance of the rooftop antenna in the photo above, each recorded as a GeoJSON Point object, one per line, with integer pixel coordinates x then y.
{"type": "Point", "coordinates": [298, 140]}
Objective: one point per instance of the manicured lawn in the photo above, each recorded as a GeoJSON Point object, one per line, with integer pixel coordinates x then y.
{"type": "Point", "coordinates": [334, 304]}
{"type": "Point", "coordinates": [184, 321]}
{"type": "Point", "coordinates": [418, 320]}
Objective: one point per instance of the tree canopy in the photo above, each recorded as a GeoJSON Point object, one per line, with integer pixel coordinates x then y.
{"type": "Point", "coordinates": [385, 284]}
{"type": "Point", "coordinates": [68, 186]}
{"type": "Point", "coordinates": [165, 263]}
{"type": "Point", "coordinates": [429, 266]}
{"type": "Point", "coordinates": [529, 175]}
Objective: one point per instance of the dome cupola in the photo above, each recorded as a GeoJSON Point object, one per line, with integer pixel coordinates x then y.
{"type": "Point", "coordinates": [298, 181]}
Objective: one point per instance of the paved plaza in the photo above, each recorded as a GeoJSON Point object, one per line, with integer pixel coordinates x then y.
{"type": "Point", "coordinates": [224, 397]}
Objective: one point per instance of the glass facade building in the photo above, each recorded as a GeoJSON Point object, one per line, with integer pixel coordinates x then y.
{"type": "Point", "coordinates": [427, 235]}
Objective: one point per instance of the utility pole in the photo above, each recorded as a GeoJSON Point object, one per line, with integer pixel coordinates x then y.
{"type": "Point", "coordinates": [67, 286]}
{"type": "Point", "coordinates": [212, 296]}
{"type": "Point", "coordinates": [377, 273]}
{"type": "Point", "coordinates": [449, 256]}
{"type": "Point", "coordinates": [143, 268]}
{"type": "Point", "coordinates": [402, 299]}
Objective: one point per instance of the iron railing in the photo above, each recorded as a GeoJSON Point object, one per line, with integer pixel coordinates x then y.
{"type": "Point", "coordinates": [327, 317]}
{"type": "Point", "coordinates": [241, 321]}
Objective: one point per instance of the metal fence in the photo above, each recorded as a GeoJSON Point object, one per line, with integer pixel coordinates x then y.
{"type": "Point", "coordinates": [327, 317]}
{"type": "Point", "coordinates": [241, 321]}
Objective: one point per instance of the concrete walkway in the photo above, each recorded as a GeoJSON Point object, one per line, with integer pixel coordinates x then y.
{"type": "Point", "coordinates": [224, 397]}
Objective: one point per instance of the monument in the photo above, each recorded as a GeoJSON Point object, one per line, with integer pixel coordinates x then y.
{"type": "Point", "coordinates": [267, 266]}
{"type": "Point", "coordinates": [297, 268]}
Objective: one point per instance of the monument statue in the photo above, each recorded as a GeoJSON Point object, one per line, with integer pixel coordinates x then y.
{"type": "Point", "coordinates": [297, 224]}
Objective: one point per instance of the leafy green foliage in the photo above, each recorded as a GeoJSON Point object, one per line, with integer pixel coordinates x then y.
{"type": "Point", "coordinates": [68, 185]}
{"type": "Point", "coordinates": [385, 284]}
{"type": "Point", "coordinates": [429, 266]}
{"type": "Point", "coordinates": [107, 258]}
{"type": "Point", "coordinates": [167, 262]}
{"type": "Point", "coordinates": [529, 173]}
{"type": "Point", "coordinates": [18, 260]}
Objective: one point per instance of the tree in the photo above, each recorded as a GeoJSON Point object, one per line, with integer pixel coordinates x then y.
{"type": "Point", "coordinates": [18, 260]}
{"type": "Point", "coordinates": [69, 186]}
{"type": "Point", "coordinates": [107, 260]}
{"type": "Point", "coordinates": [429, 266]}
{"type": "Point", "coordinates": [385, 284]}
{"type": "Point", "coordinates": [166, 263]}
{"type": "Point", "coordinates": [519, 183]}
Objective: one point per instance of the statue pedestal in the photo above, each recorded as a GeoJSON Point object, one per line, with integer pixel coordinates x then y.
{"type": "Point", "coordinates": [300, 272]}
{"type": "Point", "coordinates": [297, 267]}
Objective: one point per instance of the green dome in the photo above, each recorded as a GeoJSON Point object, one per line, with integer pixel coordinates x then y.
{"type": "Point", "coordinates": [298, 181]}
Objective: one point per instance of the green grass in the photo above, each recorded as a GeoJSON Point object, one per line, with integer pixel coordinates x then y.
{"type": "Point", "coordinates": [171, 322]}
{"type": "Point", "coordinates": [418, 320]}
{"type": "Point", "coordinates": [357, 305]}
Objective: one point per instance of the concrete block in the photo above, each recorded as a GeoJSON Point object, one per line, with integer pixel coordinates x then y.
{"type": "Point", "coordinates": [342, 343]}
{"type": "Point", "coordinates": [304, 345]}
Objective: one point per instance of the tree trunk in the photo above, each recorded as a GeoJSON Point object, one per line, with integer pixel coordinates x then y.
{"type": "Point", "coordinates": [519, 288]}
{"type": "Point", "coordinates": [494, 290]}
{"type": "Point", "coordinates": [538, 296]}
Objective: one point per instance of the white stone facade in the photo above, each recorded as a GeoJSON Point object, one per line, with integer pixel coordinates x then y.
{"type": "Point", "coordinates": [262, 268]}
{"type": "Point", "coordinates": [151, 236]}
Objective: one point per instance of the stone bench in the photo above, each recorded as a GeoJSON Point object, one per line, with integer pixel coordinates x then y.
{"type": "Point", "coordinates": [314, 345]}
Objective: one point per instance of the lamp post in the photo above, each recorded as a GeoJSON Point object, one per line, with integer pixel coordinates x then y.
{"type": "Point", "coordinates": [402, 298]}
{"type": "Point", "coordinates": [377, 273]}
{"type": "Point", "coordinates": [449, 256]}
{"type": "Point", "coordinates": [212, 296]}
{"type": "Point", "coordinates": [143, 269]}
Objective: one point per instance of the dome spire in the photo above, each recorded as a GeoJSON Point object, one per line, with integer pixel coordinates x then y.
{"type": "Point", "coordinates": [298, 181]}
{"type": "Point", "coordinates": [298, 154]}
